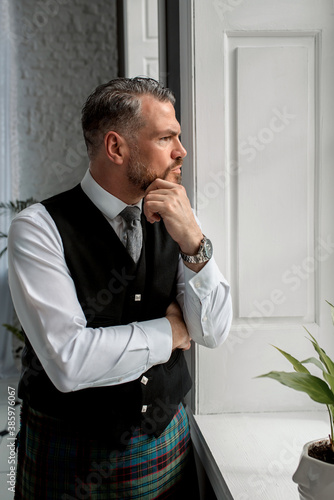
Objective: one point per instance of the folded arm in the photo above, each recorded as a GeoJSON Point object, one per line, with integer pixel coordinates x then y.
{"type": "Point", "coordinates": [73, 355]}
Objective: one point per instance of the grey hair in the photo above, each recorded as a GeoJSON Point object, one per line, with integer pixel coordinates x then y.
{"type": "Point", "coordinates": [116, 106]}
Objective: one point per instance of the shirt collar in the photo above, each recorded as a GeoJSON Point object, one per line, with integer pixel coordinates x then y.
{"type": "Point", "coordinates": [107, 203]}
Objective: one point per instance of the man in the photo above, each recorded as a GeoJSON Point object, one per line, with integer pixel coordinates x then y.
{"type": "Point", "coordinates": [110, 290]}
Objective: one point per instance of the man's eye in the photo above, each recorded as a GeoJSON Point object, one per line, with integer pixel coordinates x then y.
{"type": "Point", "coordinates": [165, 138]}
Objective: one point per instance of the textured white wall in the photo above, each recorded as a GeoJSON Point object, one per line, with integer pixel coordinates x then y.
{"type": "Point", "coordinates": [64, 49]}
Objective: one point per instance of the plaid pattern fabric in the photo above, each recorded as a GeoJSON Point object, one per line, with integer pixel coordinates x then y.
{"type": "Point", "coordinates": [54, 464]}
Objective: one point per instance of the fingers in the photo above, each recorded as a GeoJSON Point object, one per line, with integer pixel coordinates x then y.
{"type": "Point", "coordinates": [151, 217]}
{"type": "Point", "coordinates": [181, 338]}
{"type": "Point", "coordinates": [164, 199]}
{"type": "Point", "coordinates": [168, 201]}
{"type": "Point", "coordinates": [181, 341]}
{"type": "Point", "coordinates": [160, 184]}
{"type": "Point", "coordinates": [186, 346]}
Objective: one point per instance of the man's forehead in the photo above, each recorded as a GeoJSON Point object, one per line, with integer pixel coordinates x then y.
{"type": "Point", "coordinates": [159, 114]}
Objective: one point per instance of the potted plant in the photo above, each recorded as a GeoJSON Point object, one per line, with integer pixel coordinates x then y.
{"type": "Point", "coordinates": [315, 472]}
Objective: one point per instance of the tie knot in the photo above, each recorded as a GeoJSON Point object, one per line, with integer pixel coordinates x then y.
{"type": "Point", "coordinates": [130, 214]}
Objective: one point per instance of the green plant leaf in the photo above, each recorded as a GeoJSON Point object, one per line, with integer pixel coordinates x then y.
{"type": "Point", "coordinates": [3, 251]}
{"type": "Point", "coordinates": [16, 206]}
{"type": "Point", "coordinates": [326, 360]}
{"type": "Point", "coordinates": [314, 387]}
{"type": "Point", "coordinates": [327, 376]}
{"type": "Point", "coordinates": [331, 411]}
{"type": "Point", "coordinates": [15, 331]}
{"type": "Point", "coordinates": [295, 363]}
{"type": "Point", "coordinates": [329, 379]}
{"type": "Point", "coordinates": [315, 361]}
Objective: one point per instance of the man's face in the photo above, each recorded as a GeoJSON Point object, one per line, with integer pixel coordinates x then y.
{"type": "Point", "coordinates": [158, 152]}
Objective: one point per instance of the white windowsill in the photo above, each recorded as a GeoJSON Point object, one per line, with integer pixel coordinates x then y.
{"type": "Point", "coordinates": [253, 456]}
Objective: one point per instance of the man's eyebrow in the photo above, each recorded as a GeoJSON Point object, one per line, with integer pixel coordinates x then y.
{"type": "Point", "coordinates": [172, 132]}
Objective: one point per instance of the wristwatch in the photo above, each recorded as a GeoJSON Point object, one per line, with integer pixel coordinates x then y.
{"type": "Point", "coordinates": [203, 255]}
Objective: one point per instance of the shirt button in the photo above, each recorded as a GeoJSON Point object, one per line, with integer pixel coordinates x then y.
{"type": "Point", "coordinates": [197, 284]}
{"type": "Point", "coordinates": [205, 318]}
{"type": "Point", "coordinates": [144, 380]}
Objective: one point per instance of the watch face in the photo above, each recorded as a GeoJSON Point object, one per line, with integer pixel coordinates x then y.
{"type": "Point", "coordinates": [208, 248]}
{"type": "Point", "coordinates": [204, 254]}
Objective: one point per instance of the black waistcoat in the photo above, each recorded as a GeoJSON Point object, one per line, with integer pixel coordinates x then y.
{"type": "Point", "coordinates": [112, 290]}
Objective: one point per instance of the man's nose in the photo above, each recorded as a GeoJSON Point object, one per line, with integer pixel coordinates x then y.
{"type": "Point", "coordinates": [179, 151]}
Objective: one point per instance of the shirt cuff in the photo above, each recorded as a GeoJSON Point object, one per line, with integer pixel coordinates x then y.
{"type": "Point", "coordinates": [159, 339]}
{"type": "Point", "coordinates": [200, 285]}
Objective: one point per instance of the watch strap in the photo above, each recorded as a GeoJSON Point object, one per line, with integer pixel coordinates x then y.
{"type": "Point", "coordinates": [201, 256]}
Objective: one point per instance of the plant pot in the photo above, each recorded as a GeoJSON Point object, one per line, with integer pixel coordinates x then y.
{"type": "Point", "coordinates": [314, 477]}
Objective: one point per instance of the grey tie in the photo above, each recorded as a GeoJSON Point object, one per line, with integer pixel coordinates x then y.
{"type": "Point", "coordinates": [134, 233]}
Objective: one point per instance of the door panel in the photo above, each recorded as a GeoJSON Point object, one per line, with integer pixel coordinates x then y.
{"type": "Point", "coordinates": [141, 38]}
{"type": "Point", "coordinates": [263, 81]}
{"type": "Point", "coordinates": [273, 200]}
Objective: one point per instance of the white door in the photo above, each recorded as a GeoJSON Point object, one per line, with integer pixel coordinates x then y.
{"type": "Point", "coordinates": [262, 77]}
{"type": "Point", "coordinates": [141, 38]}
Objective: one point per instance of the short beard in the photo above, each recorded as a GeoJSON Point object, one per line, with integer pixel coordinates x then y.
{"type": "Point", "coordinates": [141, 175]}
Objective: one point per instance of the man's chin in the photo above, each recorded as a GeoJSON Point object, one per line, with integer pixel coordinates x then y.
{"type": "Point", "coordinates": [174, 176]}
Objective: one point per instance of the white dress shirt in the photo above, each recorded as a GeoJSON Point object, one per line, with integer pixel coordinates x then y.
{"type": "Point", "coordinates": [75, 356]}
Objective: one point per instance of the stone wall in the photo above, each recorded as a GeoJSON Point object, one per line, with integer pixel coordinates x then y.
{"type": "Point", "coordinates": [63, 50]}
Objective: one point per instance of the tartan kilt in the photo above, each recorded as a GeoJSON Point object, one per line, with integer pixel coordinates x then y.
{"type": "Point", "coordinates": [55, 463]}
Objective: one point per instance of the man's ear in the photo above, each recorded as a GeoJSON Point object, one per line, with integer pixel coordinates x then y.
{"type": "Point", "coordinates": [116, 147]}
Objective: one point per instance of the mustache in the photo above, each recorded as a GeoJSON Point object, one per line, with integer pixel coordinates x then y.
{"type": "Point", "coordinates": [177, 163]}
